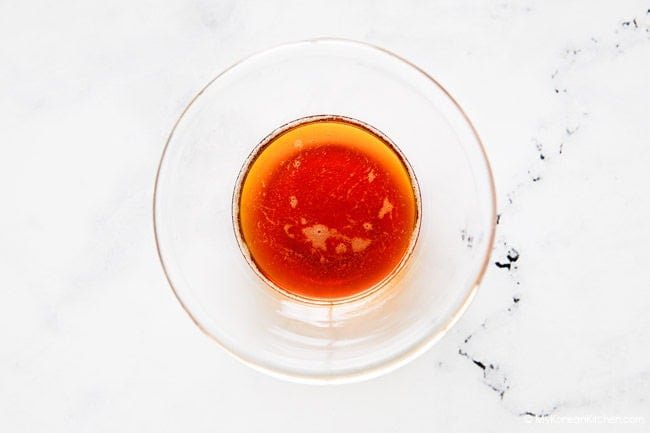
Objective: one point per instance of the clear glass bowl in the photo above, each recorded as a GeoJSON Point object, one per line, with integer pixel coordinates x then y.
{"type": "Point", "coordinates": [196, 235]}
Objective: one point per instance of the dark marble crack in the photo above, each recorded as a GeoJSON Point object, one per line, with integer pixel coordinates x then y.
{"type": "Point", "coordinates": [493, 377]}
{"type": "Point", "coordinates": [479, 363]}
{"type": "Point", "coordinates": [515, 301]}
{"type": "Point", "coordinates": [500, 391]}
{"type": "Point", "coordinates": [541, 414]}
{"type": "Point", "coordinates": [630, 23]}
{"type": "Point", "coordinates": [511, 256]}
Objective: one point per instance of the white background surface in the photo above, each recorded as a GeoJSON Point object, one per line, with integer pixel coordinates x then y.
{"type": "Point", "coordinates": [91, 337]}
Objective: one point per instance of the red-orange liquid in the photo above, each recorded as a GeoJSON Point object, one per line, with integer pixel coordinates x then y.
{"type": "Point", "coordinates": [327, 209]}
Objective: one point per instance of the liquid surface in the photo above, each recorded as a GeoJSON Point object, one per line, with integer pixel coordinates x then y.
{"type": "Point", "coordinates": [327, 209]}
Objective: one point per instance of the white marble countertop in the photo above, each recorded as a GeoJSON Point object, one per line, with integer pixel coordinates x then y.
{"type": "Point", "coordinates": [91, 337]}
